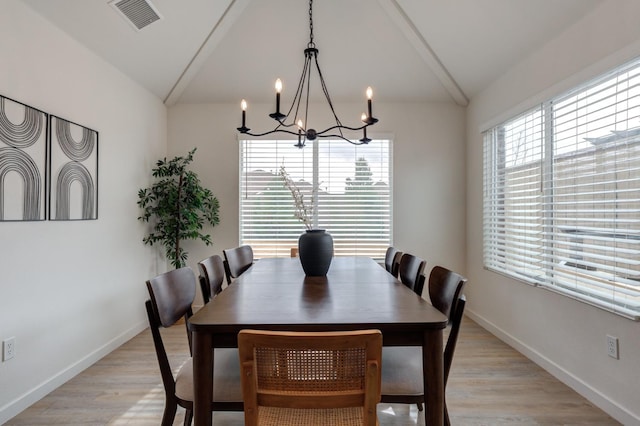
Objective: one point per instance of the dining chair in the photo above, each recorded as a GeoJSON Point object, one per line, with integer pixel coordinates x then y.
{"type": "Point", "coordinates": [236, 261]}
{"type": "Point", "coordinates": [410, 272]}
{"type": "Point", "coordinates": [310, 378]}
{"type": "Point", "coordinates": [392, 260]}
{"type": "Point", "coordinates": [171, 296]}
{"type": "Point", "coordinates": [402, 366]}
{"type": "Point", "coordinates": [211, 277]}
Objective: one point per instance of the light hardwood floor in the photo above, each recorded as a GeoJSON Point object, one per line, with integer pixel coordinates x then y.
{"type": "Point", "coordinates": [490, 384]}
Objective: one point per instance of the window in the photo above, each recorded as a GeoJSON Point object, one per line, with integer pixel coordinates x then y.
{"type": "Point", "coordinates": [350, 186]}
{"type": "Point", "coordinates": [562, 194]}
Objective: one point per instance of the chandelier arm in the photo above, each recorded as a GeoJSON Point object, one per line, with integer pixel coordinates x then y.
{"type": "Point", "coordinates": [276, 130]}
{"type": "Point", "coordinates": [325, 91]}
{"type": "Point", "coordinates": [298, 96]}
{"type": "Point", "coordinates": [306, 100]}
{"type": "Point", "coordinates": [340, 127]}
{"type": "Point", "coordinates": [285, 125]}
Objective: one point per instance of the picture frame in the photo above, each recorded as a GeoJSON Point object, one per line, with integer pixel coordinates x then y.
{"type": "Point", "coordinates": [73, 168]}
{"type": "Point", "coordinates": [23, 161]}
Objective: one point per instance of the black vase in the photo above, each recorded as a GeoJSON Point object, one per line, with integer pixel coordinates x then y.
{"type": "Point", "coordinates": [315, 249]}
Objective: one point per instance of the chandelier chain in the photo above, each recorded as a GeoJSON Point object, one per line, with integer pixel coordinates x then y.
{"type": "Point", "coordinates": [311, 43]}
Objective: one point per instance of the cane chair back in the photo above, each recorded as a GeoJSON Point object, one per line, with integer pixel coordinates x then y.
{"type": "Point", "coordinates": [310, 378]}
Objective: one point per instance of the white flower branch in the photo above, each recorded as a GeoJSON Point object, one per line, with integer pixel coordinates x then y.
{"type": "Point", "coordinates": [303, 212]}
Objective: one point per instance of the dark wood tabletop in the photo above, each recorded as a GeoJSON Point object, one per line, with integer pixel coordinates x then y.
{"type": "Point", "coordinates": [357, 293]}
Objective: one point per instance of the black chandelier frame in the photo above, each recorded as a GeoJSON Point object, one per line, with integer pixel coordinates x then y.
{"type": "Point", "coordinates": [302, 91]}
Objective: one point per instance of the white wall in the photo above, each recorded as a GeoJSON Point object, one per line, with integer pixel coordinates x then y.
{"type": "Point", "coordinates": [429, 172]}
{"type": "Point", "coordinates": [71, 292]}
{"type": "Point", "coordinates": [564, 336]}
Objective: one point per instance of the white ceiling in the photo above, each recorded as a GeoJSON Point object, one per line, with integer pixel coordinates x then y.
{"type": "Point", "coordinates": [408, 50]}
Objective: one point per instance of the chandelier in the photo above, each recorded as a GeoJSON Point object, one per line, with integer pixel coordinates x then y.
{"type": "Point", "coordinates": [293, 117]}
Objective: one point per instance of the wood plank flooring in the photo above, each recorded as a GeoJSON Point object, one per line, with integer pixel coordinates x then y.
{"type": "Point", "coordinates": [490, 384]}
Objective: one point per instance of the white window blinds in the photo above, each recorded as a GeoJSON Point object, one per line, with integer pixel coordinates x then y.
{"type": "Point", "coordinates": [562, 194]}
{"type": "Point", "coordinates": [350, 187]}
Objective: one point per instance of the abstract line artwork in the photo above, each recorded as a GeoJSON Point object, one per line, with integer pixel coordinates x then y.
{"type": "Point", "coordinates": [73, 193]}
{"type": "Point", "coordinates": [23, 153]}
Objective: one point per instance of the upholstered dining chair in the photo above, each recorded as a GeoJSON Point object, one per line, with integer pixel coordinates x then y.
{"type": "Point", "coordinates": [402, 366]}
{"type": "Point", "coordinates": [392, 260]}
{"type": "Point", "coordinates": [410, 272]}
{"type": "Point", "coordinates": [212, 275]}
{"type": "Point", "coordinates": [236, 261]}
{"type": "Point", "coordinates": [310, 378]}
{"type": "Point", "coordinates": [172, 294]}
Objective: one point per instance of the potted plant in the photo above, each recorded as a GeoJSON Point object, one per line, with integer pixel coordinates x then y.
{"type": "Point", "coordinates": [178, 206]}
{"type": "Point", "coordinates": [315, 246]}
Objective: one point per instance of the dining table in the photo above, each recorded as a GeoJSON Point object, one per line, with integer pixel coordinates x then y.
{"type": "Point", "coordinates": [357, 293]}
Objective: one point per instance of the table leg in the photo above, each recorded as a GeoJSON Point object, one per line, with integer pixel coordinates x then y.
{"type": "Point", "coordinates": [202, 378]}
{"type": "Point", "coordinates": [433, 371]}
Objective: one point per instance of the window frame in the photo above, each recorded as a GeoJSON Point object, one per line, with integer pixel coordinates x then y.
{"type": "Point", "coordinates": [526, 230]}
{"type": "Point", "coordinates": [311, 168]}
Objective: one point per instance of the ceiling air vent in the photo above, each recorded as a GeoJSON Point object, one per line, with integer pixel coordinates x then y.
{"type": "Point", "coordinates": [138, 13]}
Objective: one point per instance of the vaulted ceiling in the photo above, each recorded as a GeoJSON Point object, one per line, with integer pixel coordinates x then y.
{"type": "Point", "coordinates": [203, 51]}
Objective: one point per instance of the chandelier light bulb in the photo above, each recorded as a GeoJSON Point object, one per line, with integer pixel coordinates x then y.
{"type": "Point", "coordinates": [278, 115]}
{"type": "Point", "coordinates": [363, 117]}
{"type": "Point", "coordinates": [244, 127]}
{"type": "Point", "coordinates": [370, 119]}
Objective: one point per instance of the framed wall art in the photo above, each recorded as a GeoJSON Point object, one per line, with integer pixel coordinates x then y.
{"type": "Point", "coordinates": [23, 160]}
{"type": "Point", "coordinates": [73, 165]}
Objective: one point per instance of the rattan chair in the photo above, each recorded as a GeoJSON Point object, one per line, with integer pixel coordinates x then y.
{"type": "Point", "coordinates": [392, 260]}
{"type": "Point", "coordinates": [236, 261]}
{"type": "Point", "coordinates": [402, 366]}
{"type": "Point", "coordinates": [410, 272]}
{"type": "Point", "coordinates": [211, 277]}
{"type": "Point", "coordinates": [310, 378]}
{"type": "Point", "coordinates": [172, 294]}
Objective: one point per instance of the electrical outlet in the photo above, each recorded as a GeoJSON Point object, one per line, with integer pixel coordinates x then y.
{"type": "Point", "coordinates": [8, 348]}
{"type": "Point", "coordinates": [612, 346]}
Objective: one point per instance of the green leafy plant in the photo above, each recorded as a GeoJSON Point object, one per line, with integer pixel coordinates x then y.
{"type": "Point", "coordinates": [177, 206]}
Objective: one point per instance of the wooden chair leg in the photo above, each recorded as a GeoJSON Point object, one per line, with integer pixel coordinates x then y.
{"type": "Point", "coordinates": [188, 417]}
{"type": "Point", "coordinates": [446, 416]}
{"type": "Point", "coordinates": [169, 414]}
{"type": "Point", "coordinates": [420, 407]}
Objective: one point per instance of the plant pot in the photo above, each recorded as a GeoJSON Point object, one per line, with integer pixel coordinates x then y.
{"type": "Point", "coordinates": [315, 249]}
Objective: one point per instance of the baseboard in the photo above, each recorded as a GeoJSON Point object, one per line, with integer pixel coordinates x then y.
{"type": "Point", "coordinates": [29, 398]}
{"type": "Point", "coordinates": [593, 395]}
